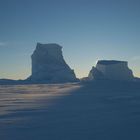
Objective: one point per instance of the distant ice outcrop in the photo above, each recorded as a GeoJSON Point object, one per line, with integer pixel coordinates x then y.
{"type": "Point", "coordinates": [111, 70]}
{"type": "Point", "coordinates": [48, 65]}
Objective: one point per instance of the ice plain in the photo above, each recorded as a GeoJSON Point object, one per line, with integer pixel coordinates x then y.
{"type": "Point", "coordinates": [90, 111]}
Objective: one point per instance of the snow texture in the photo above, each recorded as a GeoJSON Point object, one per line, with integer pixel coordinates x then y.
{"type": "Point", "coordinates": [99, 110]}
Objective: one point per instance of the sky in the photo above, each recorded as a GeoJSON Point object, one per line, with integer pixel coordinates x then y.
{"type": "Point", "coordinates": [88, 30]}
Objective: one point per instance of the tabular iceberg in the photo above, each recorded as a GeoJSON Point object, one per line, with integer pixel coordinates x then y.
{"type": "Point", "coordinates": [111, 70]}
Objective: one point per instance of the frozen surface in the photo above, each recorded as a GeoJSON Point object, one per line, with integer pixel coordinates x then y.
{"type": "Point", "coordinates": [93, 111]}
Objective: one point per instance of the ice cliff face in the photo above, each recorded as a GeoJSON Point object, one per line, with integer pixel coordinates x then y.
{"type": "Point", "coordinates": [111, 70]}
{"type": "Point", "coordinates": [48, 65]}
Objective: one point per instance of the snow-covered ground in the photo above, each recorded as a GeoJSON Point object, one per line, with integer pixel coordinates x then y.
{"type": "Point", "coordinates": [93, 111]}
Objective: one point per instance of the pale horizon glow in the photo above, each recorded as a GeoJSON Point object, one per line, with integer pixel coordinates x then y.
{"type": "Point", "coordinates": [88, 30]}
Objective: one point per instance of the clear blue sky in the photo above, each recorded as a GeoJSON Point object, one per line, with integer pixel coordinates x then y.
{"type": "Point", "coordinates": [88, 30]}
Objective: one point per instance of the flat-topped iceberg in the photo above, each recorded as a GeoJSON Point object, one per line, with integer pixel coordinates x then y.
{"type": "Point", "coordinates": [111, 70]}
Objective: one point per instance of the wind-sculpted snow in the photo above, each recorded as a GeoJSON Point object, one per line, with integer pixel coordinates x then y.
{"type": "Point", "coordinates": [101, 110]}
{"type": "Point", "coordinates": [13, 98]}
